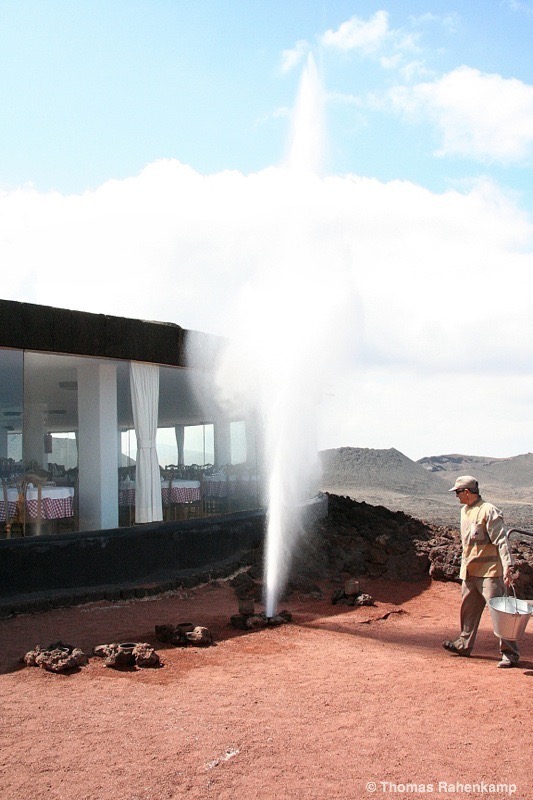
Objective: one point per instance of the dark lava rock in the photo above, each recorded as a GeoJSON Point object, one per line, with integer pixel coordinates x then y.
{"type": "Point", "coordinates": [174, 634]}
{"type": "Point", "coordinates": [246, 622]}
{"type": "Point", "coordinates": [57, 657]}
{"type": "Point", "coordinates": [120, 659]}
{"type": "Point", "coordinates": [183, 634]}
{"type": "Point", "coordinates": [358, 539]}
{"type": "Point", "coordinates": [340, 598]}
{"type": "Point", "coordinates": [244, 585]}
{"type": "Point", "coordinates": [145, 656]}
{"type": "Point", "coordinates": [199, 636]}
{"type": "Point", "coordinates": [117, 656]}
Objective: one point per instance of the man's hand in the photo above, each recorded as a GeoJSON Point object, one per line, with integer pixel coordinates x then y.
{"type": "Point", "coordinates": [508, 577]}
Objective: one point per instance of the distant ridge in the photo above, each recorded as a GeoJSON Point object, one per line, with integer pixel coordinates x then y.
{"type": "Point", "coordinates": [515, 472]}
{"type": "Point", "coordinates": [421, 488]}
{"type": "Point", "coordinates": [359, 467]}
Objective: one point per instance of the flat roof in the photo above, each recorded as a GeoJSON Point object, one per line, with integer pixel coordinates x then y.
{"type": "Point", "coordinates": [28, 326]}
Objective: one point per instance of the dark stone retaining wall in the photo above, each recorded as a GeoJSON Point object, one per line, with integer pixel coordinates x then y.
{"type": "Point", "coordinates": [52, 571]}
{"type": "Point", "coordinates": [42, 572]}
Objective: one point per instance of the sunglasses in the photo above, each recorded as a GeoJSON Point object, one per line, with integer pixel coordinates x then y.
{"type": "Point", "coordinates": [458, 491]}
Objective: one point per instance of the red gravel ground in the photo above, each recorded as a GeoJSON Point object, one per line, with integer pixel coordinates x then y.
{"type": "Point", "coordinates": [344, 702]}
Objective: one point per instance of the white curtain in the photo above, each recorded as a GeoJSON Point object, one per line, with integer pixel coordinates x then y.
{"type": "Point", "coordinates": [144, 385]}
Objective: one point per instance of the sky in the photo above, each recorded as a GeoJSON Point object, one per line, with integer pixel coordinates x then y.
{"type": "Point", "coordinates": [156, 162]}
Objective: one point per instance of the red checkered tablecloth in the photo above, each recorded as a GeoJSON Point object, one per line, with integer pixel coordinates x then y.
{"type": "Point", "coordinates": [243, 487]}
{"type": "Point", "coordinates": [11, 509]}
{"type": "Point", "coordinates": [180, 494]}
{"type": "Point", "coordinates": [126, 497]}
{"type": "Point", "coordinates": [51, 507]}
{"type": "Point", "coordinates": [57, 502]}
{"type": "Point", "coordinates": [215, 488]}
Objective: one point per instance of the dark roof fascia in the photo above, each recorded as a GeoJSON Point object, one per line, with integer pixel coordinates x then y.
{"type": "Point", "coordinates": [28, 326]}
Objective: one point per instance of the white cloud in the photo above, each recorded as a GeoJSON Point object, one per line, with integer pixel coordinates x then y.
{"type": "Point", "coordinates": [414, 69]}
{"type": "Point", "coordinates": [372, 38]}
{"type": "Point", "coordinates": [481, 116]}
{"type": "Point", "coordinates": [376, 281]}
{"type": "Point", "coordinates": [358, 34]}
{"type": "Point", "coordinates": [450, 22]}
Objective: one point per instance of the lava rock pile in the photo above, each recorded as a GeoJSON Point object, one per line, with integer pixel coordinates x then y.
{"type": "Point", "coordinates": [340, 598]}
{"type": "Point", "coordinates": [126, 655]}
{"type": "Point", "coordinates": [184, 634]}
{"type": "Point", "coordinates": [247, 622]}
{"type": "Point", "coordinates": [57, 657]}
{"type": "Point", "coordinates": [364, 540]}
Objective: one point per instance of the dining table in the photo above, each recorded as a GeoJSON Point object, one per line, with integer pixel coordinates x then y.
{"type": "Point", "coordinates": [57, 502]}
{"type": "Point", "coordinates": [172, 492]}
{"type": "Point", "coordinates": [215, 486]}
{"type": "Point", "coordinates": [180, 491]}
{"type": "Point", "coordinates": [222, 485]}
{"type": "Point", "coordinates": [243, 485]}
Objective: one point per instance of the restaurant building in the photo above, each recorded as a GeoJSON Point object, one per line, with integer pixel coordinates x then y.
{"type": "Point", "coordinates": [111, 431]}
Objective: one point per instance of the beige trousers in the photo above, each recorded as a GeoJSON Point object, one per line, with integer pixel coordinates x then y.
{"type": "Point", "coordinates": [476, 593]}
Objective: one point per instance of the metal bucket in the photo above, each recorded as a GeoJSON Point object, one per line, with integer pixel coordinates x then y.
{"type": "Point", "coordinates": [509, 616]}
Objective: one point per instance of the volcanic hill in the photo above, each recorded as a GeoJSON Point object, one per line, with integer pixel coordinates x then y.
{"type": "Point", "coordinates": [420, 488]}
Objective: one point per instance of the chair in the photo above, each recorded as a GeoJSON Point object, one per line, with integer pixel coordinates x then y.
{"type": "Point", "coordinates": [215, 501]}
{"type": "Point", "coordinates": [170, 510]}
{"type": "Point", "coordinates": [195, 509]}
{"type": "Point", "coordinates": [37, 521]}
{"type": "Point", "coordinates": [6, 468]}
{"type": "Point", "coordinates": [184, 510]}
{"type": "Point", "coordinates": [18, 518]}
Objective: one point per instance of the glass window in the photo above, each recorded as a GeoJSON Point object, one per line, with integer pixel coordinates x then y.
{"type": "Point", "coordinates": [128, 448]}
{"type": "Point", "coordinates": [14, 446]}
{"type": "Point", "coordinates": [167, 447]}
{"type": "Point", "coordinates": [199, 444]}
{"type": "Point", "coordinates": [50, 414]}
{"type": "Point", "coordinates": [11, 413]}
{"type": "Point", "coordinates": [67, 436]}
{"type": "Point", "coordinates": [64, 450]}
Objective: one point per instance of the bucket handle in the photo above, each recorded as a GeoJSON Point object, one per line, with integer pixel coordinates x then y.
{"type": "Point", "coordinates": [506, 592]}
{"type": "Point", "coordinates": [506, 595]}
{"type": "Point", "coordinates": [508, 541]}
{"type": "Point", "coordinates": [519, 531]}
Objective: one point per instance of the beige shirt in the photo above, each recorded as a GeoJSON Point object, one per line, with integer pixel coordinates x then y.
{"type": "Point", "coordinates": [486, 551]}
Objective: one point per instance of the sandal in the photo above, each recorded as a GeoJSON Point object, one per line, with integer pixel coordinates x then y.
{"type": "Point", "coordinates": [451, 648]}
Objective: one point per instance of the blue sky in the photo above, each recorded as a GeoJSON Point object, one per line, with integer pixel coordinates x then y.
{"type": "Point", "coordinates": [143, 146]}
{"type": "Point", "coordinates": [97, 90]}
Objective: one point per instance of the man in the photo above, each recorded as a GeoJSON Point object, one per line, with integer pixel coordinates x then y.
{"type": "Point", "coordinates": [485, 567]}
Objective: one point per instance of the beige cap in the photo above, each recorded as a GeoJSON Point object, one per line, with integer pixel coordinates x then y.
{"type": "Point", "coordinates": [465, 482]}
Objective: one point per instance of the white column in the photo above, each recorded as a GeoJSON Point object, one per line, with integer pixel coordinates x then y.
{"type": "Point", "coordinates": [97, 443]}
{"type": "Point", "coordinates": [222, 442]}
{"type": "Point", "coordinates": [33, 434]}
